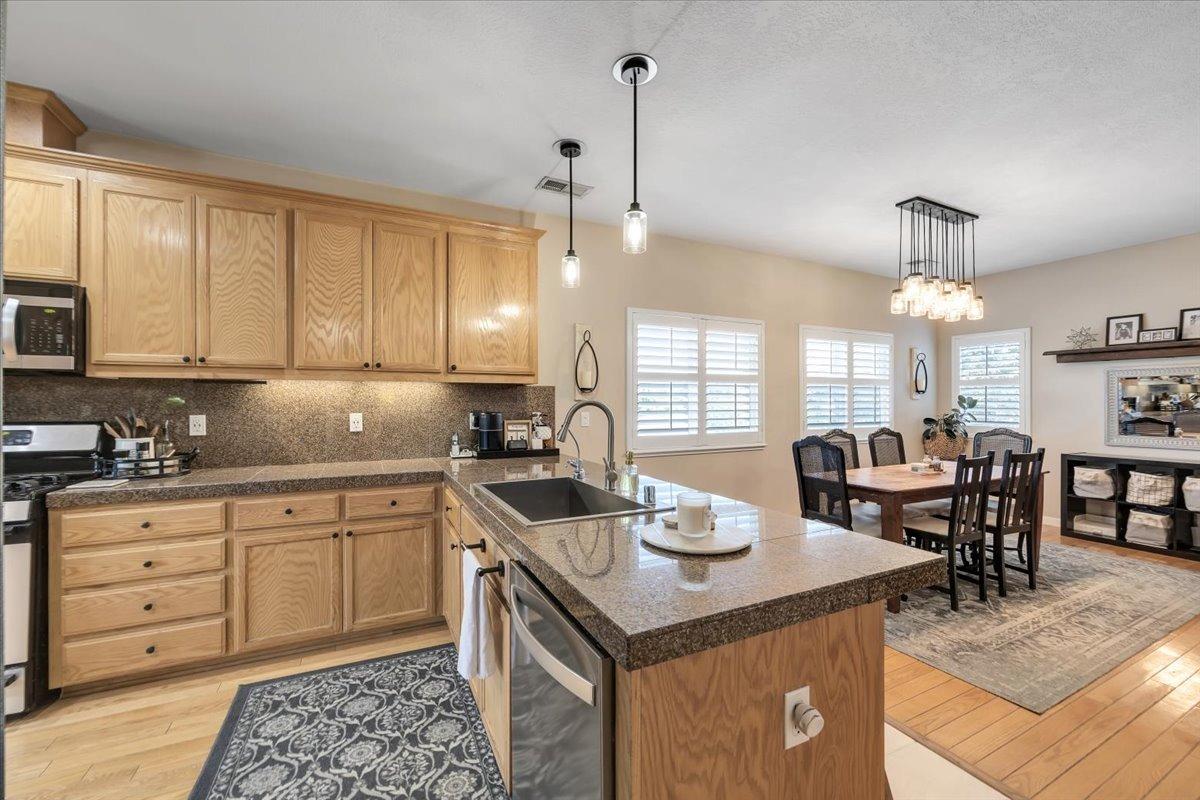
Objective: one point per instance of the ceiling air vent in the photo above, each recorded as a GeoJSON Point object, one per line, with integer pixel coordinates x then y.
{"type": "Point", "coordinates": [559, 186]}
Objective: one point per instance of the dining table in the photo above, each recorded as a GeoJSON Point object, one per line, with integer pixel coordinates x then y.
{"type": "Point", "coordinates": [897, 485]}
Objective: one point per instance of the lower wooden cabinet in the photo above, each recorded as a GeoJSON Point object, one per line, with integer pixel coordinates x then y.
{"type": "Point", "coordinates": [141, 650]}
{"type": "Point", "coordinates": [496, 687]}
{"type": "Point", "coordinates": [389, 573]}
{"type": "Point", "coordinates": [288, 587]}
{"type": "Point", "coordinates": [452, 579]}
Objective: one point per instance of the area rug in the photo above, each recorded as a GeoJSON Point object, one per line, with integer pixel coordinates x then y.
{"type": "Point", "coordinates": [400, 726]}
{"type": "Point", "coordinates": [1091, 611]}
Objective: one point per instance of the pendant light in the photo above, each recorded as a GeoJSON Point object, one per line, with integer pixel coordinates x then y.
{"type": "Point", "coordinates": [937, 283]}
{"type": "Point", "coordinates": [570, 149]}
{"type": "Point", "coordinates": [634, 70]}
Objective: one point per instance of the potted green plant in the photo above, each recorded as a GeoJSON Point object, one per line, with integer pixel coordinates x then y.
{"type": "Point", "coordinates": [946, 436]}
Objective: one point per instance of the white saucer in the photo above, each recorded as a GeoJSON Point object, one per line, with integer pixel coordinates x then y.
{"type": "Point", "coordinates": [726, 539]}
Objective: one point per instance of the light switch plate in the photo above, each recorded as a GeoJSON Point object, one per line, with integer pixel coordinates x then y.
{"type": "Point", "coordinates": [197, 425]}
{"type": "Point", "coordinates": [792, 735]}
{"type": "Point", "coordinates": [356, 422]}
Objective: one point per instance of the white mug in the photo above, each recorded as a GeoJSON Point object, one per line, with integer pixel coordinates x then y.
{"type": "Point", "coordinates": [693, 511]}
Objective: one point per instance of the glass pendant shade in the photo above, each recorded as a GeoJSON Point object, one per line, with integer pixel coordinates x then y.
{"type": "Point", "coordinates": [571, 270]}
{"type": "Point", "coordinates": [953, 315]}
{"type": "Point", "coordinates": [937, 306]}
{"type": "Point", "coordinates": [917, 308]}
{"type": "Point", "coordinates": [634, 230]}
{"type": "Point", "coordinates": [931, 289]}
{"type": "Point", "coordinates": [898, 305]}
{"type": "Point", "coordinates": [975, 310]}
{"type": "Point", "coordinates": [913, 286]}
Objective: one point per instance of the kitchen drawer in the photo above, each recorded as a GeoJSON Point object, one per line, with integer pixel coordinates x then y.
{"type": "Point", "coordinates": [146, 561]}
{"type": "Point", "coordinates": [109, 609]}
{"type": "Point", "coordinates": [391, 502]}
{"type": "Point", "coordinates": [452, 509]}
{"type": "Point", "coordinates": [297, 509]}
{"type": "Point", "coordinates": [132, 523]}
{"type": "Point", "coordinates": [153, 648]}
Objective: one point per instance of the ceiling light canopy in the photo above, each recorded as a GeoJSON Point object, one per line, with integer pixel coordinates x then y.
{"type": "Point", "coordinates": [634, 70]}
{"type": "Point", "coordinates": [937, 280]}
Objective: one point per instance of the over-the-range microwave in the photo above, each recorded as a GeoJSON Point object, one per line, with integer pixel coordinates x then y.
{"type": "Point", "coordinates": [42, 327]}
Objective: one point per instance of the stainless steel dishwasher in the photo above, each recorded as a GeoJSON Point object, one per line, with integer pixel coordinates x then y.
{"type": "Point", "coordinates": [562, 701]}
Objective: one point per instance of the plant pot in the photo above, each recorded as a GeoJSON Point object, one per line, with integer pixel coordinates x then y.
{"type": "Point", "coordinates": [944, 447]}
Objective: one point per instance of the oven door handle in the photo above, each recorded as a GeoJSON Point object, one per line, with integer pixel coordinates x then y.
{"type": "Point", "coordinates": [8, 328]}
{"type": "Point", "coordinates": [566, 677]}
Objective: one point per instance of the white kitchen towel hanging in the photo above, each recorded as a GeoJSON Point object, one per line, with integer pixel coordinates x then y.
{"type": "Point", "coordinates": [476, 647]}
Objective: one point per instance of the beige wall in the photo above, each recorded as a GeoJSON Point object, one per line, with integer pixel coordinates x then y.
{"type": "Point", "coordinates": [675, 274]}
{"type": "Point", "coordinates": [1067, 400]}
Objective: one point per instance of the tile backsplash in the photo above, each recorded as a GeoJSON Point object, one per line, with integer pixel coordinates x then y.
{"type": "Point", "coordinates": [282, 422]}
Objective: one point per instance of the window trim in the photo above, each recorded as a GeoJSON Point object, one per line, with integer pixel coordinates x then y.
{"type": "Point", "coordinates": [718, 442]}
{"type": "Point", "coordinates": [1023, 337]}
{"type": "Point", "coordinates": [851, 334]}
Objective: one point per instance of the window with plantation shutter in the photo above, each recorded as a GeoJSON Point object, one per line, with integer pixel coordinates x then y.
{"type": "Point", "coordinates": [993, 368]}
{"type": "Point", "coordinates": [846, 379]}
{"type": "Point", "coordinates": [695, 382]}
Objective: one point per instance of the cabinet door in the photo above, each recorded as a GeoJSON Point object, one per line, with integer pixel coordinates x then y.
{"type": "Point", "coordinates": [288, 587]}
{"type": "Point", "coordinates": [333, 291]}
{"type": "Point", "coordinates": [389, 574]}
{"type": "Point", "coordinates": [41, 220]}
{"type": "Point", "coordinates": [409, 267]}
{"type": "Point", "coordinates": [492, 306]}
{"type": "Point", "coordinates": [139, 269]}
{"type": "Point", "coordinates": [496, 689]}
{"type": "Point", "coordinates": [241, 282]}
{"type": "Point", "coordinates": [452, 581]}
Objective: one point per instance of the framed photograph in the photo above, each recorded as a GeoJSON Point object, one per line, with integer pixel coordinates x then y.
{"type": "Point", "coordinates": [1123, 329]}
{"type": "Point", "coordinates": [1158, 335]}
{"type": "Point", "coordinates": [1189, 323]}
{"type": "Point", "coordinates": [517, 430]}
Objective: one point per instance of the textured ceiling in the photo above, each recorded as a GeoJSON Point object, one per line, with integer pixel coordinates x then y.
{"type": "Point", "coordinates": [790, 128]}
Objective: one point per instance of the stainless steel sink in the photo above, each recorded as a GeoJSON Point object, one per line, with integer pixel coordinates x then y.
{"type": "Point", "coordinates": [545, 500]}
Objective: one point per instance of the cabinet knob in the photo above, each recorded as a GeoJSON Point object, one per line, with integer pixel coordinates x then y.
{"type": "Point", "coordinates": [146, 524]}
{"type": "Point", "coordinates": [366, 365]}
{"type": "Point", "coordinates": [454, 545]}
{"type": "Point", "coordinates": [147, 564]}
{"type": "Point", "coordinates": [349, 534]}
{"type": "Point", "coordinates": [378, 365]}
{"type": "Point", "coordinates": [201, 359]}
{"type": "Point", "coordinates": [287, 511]}
{"type": "Point", "coordinates": [187, 359]}
{"type": "Point", "coordinates": [392, 504]}
{"type": "Point", "coordinates": [453, 367]}
{"type": "Point", "coordinates": [148, 607]}
{"type": "Point", "coordinates": [335, 536]}
{"type": "Point", "coordinates": [150, 650]}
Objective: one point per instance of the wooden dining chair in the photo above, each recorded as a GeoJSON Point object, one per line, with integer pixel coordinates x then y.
{"type": "Point", "coordinates": [821, 479]}
{"type": "Point", "coordinates": [1016, 515]}
{"type": "Point", "coordinates": [887, 448]}
{"type": "Point", "coordinates": [848, 442]}
{"type": "Point", "coordinates": [1000, 441]}
{"type": "Point", "coordinates": [967, 525]}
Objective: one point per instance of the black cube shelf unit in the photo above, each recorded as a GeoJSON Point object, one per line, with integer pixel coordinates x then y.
{"type": "Point", "coordinates": [1184, 518]}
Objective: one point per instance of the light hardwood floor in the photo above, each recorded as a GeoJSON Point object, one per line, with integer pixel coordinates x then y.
{"type": "Point", "coordinates": [1133, 733]}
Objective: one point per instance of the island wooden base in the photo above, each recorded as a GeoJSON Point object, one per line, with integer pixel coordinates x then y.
{"type": "Point", "coordinates": [710, 725]}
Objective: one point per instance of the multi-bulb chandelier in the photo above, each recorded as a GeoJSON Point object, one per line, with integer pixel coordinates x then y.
{"type": "Point", "coordinates": [939, 283]}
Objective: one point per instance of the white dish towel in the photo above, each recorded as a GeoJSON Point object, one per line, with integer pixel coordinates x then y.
{"type": "Point", "coordinates": [476, 649]}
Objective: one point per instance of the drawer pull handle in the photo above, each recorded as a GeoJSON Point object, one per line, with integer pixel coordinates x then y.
{"type": "Point", "coordinates": [146, 524]}
{"type": "Point", "coordinates": [392, 504]}
{"type": "Point", "coordinates": [335, 536]}
{"type": "Point", "coordinates": [481, 546]}
{"type": "Point", "coordinates": [150, 650]}
{"type": "Point", "coordinates": [287, 511]}
{"type": "Point", "coordinates": [349, 534]}
{"type": "Point", "coordinates": [147, 564]}
{"type": "Point", "coordinates": [148, 607]}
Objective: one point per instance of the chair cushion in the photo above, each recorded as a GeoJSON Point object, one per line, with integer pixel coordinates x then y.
{"type": "Point", "coordinates": [937, 507]}
{"type": "Point", "coordinates": [867, 524]}
{"type": "Point", "coordinates": [932, 526]}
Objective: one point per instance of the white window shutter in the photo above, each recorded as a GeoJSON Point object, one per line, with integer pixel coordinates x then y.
{"type": "Point", "coordinates": [847, 379]}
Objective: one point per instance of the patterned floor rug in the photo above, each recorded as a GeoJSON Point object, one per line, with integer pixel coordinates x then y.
{"type": "Point", "coordinates": [1091, 611]}
{"type": "Point", "coordinates": [403, 726]}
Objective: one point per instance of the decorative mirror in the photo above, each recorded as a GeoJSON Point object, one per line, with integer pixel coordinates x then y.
{"type": "Point", "coordinates": [1154, 406]}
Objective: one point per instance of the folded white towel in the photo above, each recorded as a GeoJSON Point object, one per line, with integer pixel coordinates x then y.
{"type": "Point", "coordinates": [476, 648]}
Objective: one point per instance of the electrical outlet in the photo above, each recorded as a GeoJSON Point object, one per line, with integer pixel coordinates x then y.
{"type": "Point", "coordinates": [197, 425]}
{"type": "Point", "coordinates": [356, 422]}
{"type": "Point", "coordinates": [793, 733]}
{"type": "Point", "coordinates": [585, 419]}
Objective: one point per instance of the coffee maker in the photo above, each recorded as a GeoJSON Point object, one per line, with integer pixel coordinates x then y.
{"type": "Point", "coordinates": [489, 430]}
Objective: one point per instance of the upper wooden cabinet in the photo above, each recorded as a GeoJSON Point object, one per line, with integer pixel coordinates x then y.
{"type": "Point", "coordinates": [241, 281]}
{"type": "Point", "coordinates": [409, 290]}
{"type": "Point", "coordinates": [140, 272]}
{"type": "Point", "coordinates": [492, 305]}
{"type": "Point", "coordinates": [333, 291]}
{"type": "Point", "coordinates": [41, 220]}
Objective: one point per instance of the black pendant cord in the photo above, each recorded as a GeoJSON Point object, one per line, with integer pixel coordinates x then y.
{"type": "Point", "coordinates": [973, 256]}
{"type": "Point", "coordinates": [635, 85]}
{"type": "Point", "coordinates": [571, 203]}
{"type": "Point", "coordinates": [900, 249]}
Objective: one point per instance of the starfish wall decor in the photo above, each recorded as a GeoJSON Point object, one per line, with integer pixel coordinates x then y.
{"type": "Point", "coordinates": [1082, 338]}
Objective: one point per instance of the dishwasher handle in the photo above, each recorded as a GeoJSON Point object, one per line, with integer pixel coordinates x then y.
{"type": "Point", "coordinates": [568, 678]}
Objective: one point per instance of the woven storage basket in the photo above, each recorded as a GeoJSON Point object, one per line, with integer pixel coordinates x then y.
{"type": "Point", "coordinates": [944, 447]}
{"type": "Point", "coordinates": [1091, 482]}
{"type": "Point", "coordinates": [1095, 524]}
{"type": "Point", "coordinates": [1149, 489]}
{"type": "Point", "coordinates": [1146, 527]}
{"type": "Point", "coordinates": [1191, 493]}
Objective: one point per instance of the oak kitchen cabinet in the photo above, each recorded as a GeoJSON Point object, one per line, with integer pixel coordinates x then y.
{"type": "Point", "coordinates": [41, 220]}
{"type": "Point", "coordinates": [492, 306]}
{"type": "Point", "coordinates": [333, 290]}
{"type": "Point", "coordinates": [390, 572]}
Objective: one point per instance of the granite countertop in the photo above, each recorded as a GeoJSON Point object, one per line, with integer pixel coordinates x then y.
{"type": "Point", "coordinates": [643, 605]}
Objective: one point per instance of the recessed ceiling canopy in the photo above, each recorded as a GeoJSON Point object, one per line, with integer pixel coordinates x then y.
{"type": "Point", "coordinates": [782, 127]}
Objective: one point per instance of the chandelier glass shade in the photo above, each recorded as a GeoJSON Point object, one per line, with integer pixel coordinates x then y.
{"type": "Point", "coordinates": [935, 268]}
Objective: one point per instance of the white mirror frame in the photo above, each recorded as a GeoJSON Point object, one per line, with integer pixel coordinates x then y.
{"type": "Point", "coordinates": [1112, 430]}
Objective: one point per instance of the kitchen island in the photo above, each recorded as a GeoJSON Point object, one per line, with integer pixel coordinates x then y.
{"type": "Point", "coordinates": [705, 648]}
